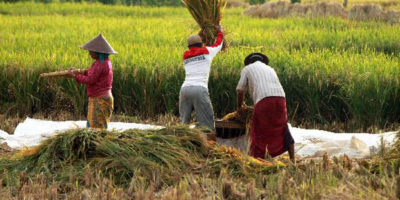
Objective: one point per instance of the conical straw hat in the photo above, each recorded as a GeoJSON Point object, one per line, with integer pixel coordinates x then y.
{"type": "Point", "coordinates": [99, 44]}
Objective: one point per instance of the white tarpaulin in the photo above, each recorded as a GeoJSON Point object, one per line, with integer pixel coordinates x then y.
{"type": "Point", "coordinates": [32, 131]}
{"type": "Point", "coordinates": [355, 145]}
{"type": "Point", "coordinates": [308, 142]}
{"type": "Point", "coordinates": [314, 143]}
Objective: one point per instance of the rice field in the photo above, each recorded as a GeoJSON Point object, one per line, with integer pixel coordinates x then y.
{"type": "Point", "coordinates": [177, 163]}
{"type": "Point", "coordinates": [334, 71]}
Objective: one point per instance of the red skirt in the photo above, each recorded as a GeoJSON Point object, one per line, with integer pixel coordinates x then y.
{"type": "Point", "coordinates": [269, 129]}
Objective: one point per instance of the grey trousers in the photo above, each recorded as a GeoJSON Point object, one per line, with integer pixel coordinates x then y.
{"type": "Point", "coordinates": [197, 98]}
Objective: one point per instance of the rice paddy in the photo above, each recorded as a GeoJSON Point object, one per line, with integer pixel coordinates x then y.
{"type": "Point", "coordinates": [335, 72]}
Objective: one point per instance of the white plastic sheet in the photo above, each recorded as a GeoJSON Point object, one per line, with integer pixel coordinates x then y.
{"type": "Point", "coordinates": [32, 131]}
{"type": "Point", "coordinates": [314, 143]}
{"type": "Point", "coordinates": [309, 143]}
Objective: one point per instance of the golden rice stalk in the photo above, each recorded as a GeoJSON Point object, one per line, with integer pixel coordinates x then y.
{"type": "Point", "coordinates": [54, 74]}
{"type": "Point", "coordinates": [242, 115]}
{"type": "Point", "coordinates": [207, 14]}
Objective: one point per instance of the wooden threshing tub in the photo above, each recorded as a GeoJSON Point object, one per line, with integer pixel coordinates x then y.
{"type": "Point", "coordinates": [229, 129]}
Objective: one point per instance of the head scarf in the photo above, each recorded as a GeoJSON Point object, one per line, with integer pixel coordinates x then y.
{"type": "Point", "coordinates": [102, 56]}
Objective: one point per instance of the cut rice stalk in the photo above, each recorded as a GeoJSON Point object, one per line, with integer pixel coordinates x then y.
{"type": "Point", "coordinates": [207, 14]}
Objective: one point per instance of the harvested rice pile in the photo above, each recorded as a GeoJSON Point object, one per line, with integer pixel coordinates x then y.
{"type": "Point", "coordinates": [159, 157]}
{"type": "Point", "coordinates": [237, 4]}
{"type": "Point", "coordinates": [207, 14]}
{"type": "Point", "coordinates": [5, 149]}
{"type": "Point", "coordinates": [370, 12]}
{"type": "Point", "coordinates": [365, 12]}
{"type": "Point", "coordinates": [286, 9]}
{"type": "Point", "coordinates": [243, 115]}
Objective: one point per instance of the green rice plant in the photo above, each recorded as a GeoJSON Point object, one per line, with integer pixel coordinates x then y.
{"type": "Point", "coordinates": [253, 2]}
{"type": "Point", "coordinates": [332, 70]}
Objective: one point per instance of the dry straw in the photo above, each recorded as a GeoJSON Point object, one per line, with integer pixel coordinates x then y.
{"type": "Point", "coordinates": [285, 9]}
{"type": "Point", "coordinates": [208, 14]}
{"type": "Point", "coordinates": [371, 12]}
{"type": "Point", "coordinates": [135, 154]}
{"type": "Point", "coordinates": [364, 12]}
{"type": "Point", "coordinates": [54, 74]}
{"type": "Point", "coordinates": [237, 4]}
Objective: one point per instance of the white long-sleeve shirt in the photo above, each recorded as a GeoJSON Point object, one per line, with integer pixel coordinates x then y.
{"type": "Point", "coordinates": [197, 62]}
{"type": "Point", "coordinates": [262, 81]}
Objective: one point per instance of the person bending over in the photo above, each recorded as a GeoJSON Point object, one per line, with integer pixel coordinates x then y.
{"type": "Point", "coordinates": [269, 126]}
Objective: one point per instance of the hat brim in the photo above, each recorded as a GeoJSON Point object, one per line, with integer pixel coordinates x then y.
{"type": "Point", "coordinates": [84, 48]}
{"type": "Point", "coordinates": [256, 57]}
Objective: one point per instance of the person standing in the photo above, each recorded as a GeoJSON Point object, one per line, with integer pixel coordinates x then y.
{"type": "Point", "coordinates": [194, 91]}
{"type": "Point", "coordinates": [269, 129]}
{"type": "Point", "coordinates": [98, 80]}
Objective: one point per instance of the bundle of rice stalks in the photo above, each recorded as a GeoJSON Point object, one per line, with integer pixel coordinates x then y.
{"type": "Point", "coordinates": [325, 9]}
{"type": "Point", "coordinates": [237, 4]}
{"type": "Point", "coordinates": [151, 157]}
{"type": "Point", "coordinates": [148, 154]}
{"type": "Point", "coordinates": [242, 115]}
{"type": "Point", "coordinates": [392, 16]}
{"type": "Point", "coordinates": [369, 12]}
{"type": "Point", "coordinates": [4, 149]}
{"type": "Point", "coordinates": [238, 164]}
{"type": "Point", "coordinates": [366, 12]}
{"type": "Point", "coordinates": [280, 9]}
{"type": "Point", "coordinates": [54, 74]}
{"type": "Point", "coordinates": [207, 14]}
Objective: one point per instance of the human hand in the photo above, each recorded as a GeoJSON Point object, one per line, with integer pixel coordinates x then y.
{"type": "Point", "coordinates": [71, 73]}
{"type": "Point", "coordinates": [218, 27]}
{"type": "Point", "coordinates": [241, 107]}
{"type": "Point", "coordinates": [77, 71]}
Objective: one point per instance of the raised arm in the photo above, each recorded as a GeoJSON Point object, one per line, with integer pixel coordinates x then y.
{"type": "Point", "coordinates": [217, 46]}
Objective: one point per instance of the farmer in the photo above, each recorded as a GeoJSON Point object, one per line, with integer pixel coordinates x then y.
{"type": "Point", "coordinates": [194, 92]}
{"type": "Point", "coordinates": [269, 129]}
{"type": "Point", "coordinates": [98, 80]}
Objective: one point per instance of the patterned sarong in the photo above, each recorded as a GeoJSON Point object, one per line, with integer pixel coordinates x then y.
{"type": "Point", "coordinates": [269, 129]}
{"type": "Point", "coordinates": [100, 110]}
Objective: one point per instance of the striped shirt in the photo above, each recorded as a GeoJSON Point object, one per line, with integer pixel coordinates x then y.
{"type": "Point", "coordinates": [262, 81]}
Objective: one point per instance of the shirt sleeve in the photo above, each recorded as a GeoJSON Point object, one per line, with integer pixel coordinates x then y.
{"type": "Point", "coordinates": [90, 76]}
{"type": "Point", "coordinates": [242, 85]}
{"type": "Point", "coordinates": [217, 46]}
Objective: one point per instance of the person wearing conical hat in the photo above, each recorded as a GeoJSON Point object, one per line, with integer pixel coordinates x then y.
{"type": "Point", "coordinates": [98, 80]}
{"type": "Point", "coordinates": [194, 91]}
{"type": "Point", "coordinates": [269, 129]}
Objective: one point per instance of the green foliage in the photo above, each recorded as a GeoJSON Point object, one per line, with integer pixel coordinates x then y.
{"type": "Point", "coordinates": [112, 2]}
{"type": "Point", "coordinates": [295, 1]}
{"type": "Point", "coordinates": [331, 69]}
{"type": "Point", "coordinates": [254, 2]}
